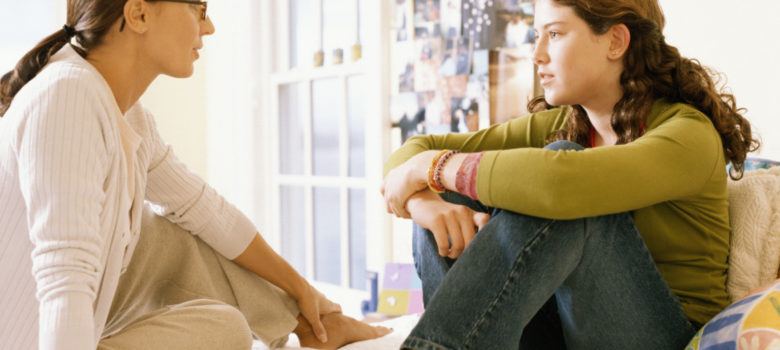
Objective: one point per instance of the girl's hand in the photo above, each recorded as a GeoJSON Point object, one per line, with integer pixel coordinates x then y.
{"type": "Point", "coordinates": [453, 226]}
{"type": "Point", "coordinates": [404, 181]}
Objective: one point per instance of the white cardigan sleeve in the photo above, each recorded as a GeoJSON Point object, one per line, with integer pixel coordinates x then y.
{"type": "Point", "coordinates": [186, 200]}
{"type": "Point", "coordinates": [63, 163]}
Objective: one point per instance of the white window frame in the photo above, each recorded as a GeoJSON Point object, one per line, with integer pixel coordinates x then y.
{"type": "Point", "coordinates": [375, 66]}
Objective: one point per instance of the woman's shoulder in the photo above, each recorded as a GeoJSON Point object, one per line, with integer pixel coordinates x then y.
{"type": "Point", "coordinates": [66, 79]}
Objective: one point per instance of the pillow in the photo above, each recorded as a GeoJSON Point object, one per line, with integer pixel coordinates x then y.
{"type": "Point", "coordinates": [752, 323]}
{"type": "Point", "coordinates": [754, 211]}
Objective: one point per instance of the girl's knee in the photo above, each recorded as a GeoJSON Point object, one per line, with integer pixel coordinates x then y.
{"type": "Point", "coordinates": [563, 145]}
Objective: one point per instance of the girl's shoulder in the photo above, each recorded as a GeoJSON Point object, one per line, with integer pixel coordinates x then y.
{"type": "Point", "coordinates": [664, 111]}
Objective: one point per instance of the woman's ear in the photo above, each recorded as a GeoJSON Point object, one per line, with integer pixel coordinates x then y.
{"type": "Point", "coordinates": [136, 12]}
{"type": "Point", "coordinates": [619, 40]}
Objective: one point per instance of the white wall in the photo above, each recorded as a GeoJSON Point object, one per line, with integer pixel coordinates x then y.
{"type": "Point", "coordinates": [741, 40]}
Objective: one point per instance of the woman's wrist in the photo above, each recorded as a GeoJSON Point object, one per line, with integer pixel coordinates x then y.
{"type": "Point", "coordinates": [298, 287]}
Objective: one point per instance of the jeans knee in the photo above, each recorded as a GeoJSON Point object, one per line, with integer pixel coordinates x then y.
{"type": "Point", "coordinates": [563, 145]}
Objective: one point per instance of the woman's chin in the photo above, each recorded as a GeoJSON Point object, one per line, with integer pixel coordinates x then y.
{"type": "Point", "coordinates": [181, 73]}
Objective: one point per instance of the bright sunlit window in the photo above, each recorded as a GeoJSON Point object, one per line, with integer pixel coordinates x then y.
{"type": "Point", "coordinates": [25, 23]}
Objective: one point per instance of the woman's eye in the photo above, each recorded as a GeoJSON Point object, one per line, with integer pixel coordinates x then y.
{"type": "Point", "coordinates": [554, 35]}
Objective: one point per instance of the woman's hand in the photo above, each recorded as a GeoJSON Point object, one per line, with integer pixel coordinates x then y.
{"type": "Point", "coordinates": [312, 304]}
{"type": "Point", "coordinates": [453, 226]}
{"type": "Point", "coordinates": [404, 181]}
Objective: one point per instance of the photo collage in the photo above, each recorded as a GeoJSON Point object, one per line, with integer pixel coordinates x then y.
{"type": "Point", "coordinates": [450, 58]}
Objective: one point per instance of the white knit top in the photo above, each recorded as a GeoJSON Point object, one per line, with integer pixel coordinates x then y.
{"type": "Point", "coordinates": [68, 224]}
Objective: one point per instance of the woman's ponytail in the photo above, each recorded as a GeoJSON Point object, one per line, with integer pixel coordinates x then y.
{"type": "Point", "coordinates": [29, 66]}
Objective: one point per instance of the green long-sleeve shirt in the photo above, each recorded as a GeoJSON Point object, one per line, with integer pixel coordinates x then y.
{"type": "Point", "coordinates": [672, 179]}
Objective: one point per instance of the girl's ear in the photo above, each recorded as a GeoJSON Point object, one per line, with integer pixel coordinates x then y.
{"type": "Point", "coordinates": [619, 40]}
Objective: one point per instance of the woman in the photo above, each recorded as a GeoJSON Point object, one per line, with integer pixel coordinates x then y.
{"type": "Point", "coordinates": [622, 245]}
{"type": "Point", "coordinates": [80, 155]}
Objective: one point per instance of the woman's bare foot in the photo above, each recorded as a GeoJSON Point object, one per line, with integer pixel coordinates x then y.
{"type": "Point", "coordinates": [342, 330]}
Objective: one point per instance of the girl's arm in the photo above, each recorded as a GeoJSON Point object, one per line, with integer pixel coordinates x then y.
{"type": "Point", "coordinates": [672, 161]}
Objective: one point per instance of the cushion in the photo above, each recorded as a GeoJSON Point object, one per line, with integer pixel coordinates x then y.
{"type": "Point", "coordinates": [752, 323]}
{"type": "Point", "coordinates": [754, 211]}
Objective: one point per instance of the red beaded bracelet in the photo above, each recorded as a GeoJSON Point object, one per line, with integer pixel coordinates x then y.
{"type": "Point", "coordinates": [435, 171]}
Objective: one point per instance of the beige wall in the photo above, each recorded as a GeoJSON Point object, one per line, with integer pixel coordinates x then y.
{"type": "Point", "coordinates": [179, 107]}
{"type": "Point", "coordinates": [739, 39]}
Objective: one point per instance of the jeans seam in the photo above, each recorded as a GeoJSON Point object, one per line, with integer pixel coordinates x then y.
{"type": "Point", "coordinates": [512, 276]}
{"type": "Point", "coordinates": [416, 342]}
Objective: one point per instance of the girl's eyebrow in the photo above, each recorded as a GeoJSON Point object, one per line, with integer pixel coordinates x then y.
{"type": "Point", "coordinates": [552, 24]}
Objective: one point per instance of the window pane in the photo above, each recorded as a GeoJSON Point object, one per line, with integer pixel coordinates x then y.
{"type": "Point", "coordinates": [292, 116]}
{"type": "Point", "coordinates": [303, 34]}
{"type": "Point", "coordinates": [340, 26]}
{"type": "Point", "coordinates": [293, 243]}
{"type": "Point", "coordinates": [357, 107]}
{"type": "Point", "coordinates": [327, 263]}
{"type": "Point", "coordinates": [327, 95]}
{"type": "Point", "coordinates": [357, 238]}
{"type": "Point", "coordinates": [24, 24]}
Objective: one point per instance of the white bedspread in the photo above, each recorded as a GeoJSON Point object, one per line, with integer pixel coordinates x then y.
{"type": "Point", "coordinates": [401, 326]}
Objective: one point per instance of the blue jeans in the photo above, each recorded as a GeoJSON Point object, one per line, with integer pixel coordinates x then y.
{"type": "Point", "coordinates": [537, 283]}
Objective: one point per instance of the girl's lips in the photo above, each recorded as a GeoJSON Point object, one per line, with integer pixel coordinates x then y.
{"type": "Point", "coordinates": [545, 78]}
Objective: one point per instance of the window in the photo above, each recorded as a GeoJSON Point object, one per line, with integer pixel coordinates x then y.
{"type": "Point", "coordinates": [325, 175]}
{"type": "Point", "coordinates": [24, 24]}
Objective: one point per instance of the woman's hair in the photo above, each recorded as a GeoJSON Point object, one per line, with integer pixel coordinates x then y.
{"type": "Point", "coordinates": [90, 20]}
{"type": "Point", "coordinates": [654, 69]}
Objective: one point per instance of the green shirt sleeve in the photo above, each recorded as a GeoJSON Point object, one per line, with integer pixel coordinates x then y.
{"type": "Point", "coordinates": [674, 159]}
{"type": "Point", "coordinates": [528, 131]}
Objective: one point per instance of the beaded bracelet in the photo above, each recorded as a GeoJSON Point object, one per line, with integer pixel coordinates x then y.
{"type": "Point", "coordinates": [435, 171]}
{"type": "Point", "coordinates": [432, 169]}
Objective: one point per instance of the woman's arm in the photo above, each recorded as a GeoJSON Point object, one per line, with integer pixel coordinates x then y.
{"type": "Point", "coordinates": [63, 162]}
{"type": "Point", "coordinates": [266, 263]}
{"type": "Point", "coordinates": [185, 199]}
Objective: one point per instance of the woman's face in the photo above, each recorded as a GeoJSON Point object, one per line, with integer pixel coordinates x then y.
{"type": "Point", "coordinates": [176, 37]}
{"type": "Point", "coordinates": [573, 62]}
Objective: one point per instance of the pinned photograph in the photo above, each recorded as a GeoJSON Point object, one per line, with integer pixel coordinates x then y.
{"type": "Point", "coordinates": [407, 115]}
{"type": "Point", "coordinates": [403, 66]}
{"type": "Point", "coordinates": [457, 57]}
{"type": "Point", "coordinates": [451, 18]}
{"type": "Point", "coordinates": [403, 21]}
{"type": "Point", "coordinates": [427, 63]}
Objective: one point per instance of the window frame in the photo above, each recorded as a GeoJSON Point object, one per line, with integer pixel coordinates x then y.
{"type": "Point", "coordinates": [375, 58]}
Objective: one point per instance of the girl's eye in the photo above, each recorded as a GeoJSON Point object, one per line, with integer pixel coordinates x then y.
{"type": "Point", "coordinates": [554, 35]}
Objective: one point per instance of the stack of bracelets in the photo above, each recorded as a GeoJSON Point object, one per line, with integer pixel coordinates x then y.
{"type": "Point", "coordinates": [436, 169]}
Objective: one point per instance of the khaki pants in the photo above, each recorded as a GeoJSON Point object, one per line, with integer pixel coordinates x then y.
{"type": "Point", "coordinates": [178, 293]}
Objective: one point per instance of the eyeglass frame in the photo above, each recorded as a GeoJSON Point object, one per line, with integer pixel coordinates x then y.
{"type": "Point", "coordinates": [203, 16]}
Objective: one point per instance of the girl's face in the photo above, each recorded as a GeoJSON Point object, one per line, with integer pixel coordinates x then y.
{"type": "Point", "coordinates": [574, 64]}
{"type": "Point", "coordinates": [176, 37]}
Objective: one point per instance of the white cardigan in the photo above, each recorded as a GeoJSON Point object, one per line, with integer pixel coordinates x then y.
{"type": "Point", "coordinates": [64, 202]}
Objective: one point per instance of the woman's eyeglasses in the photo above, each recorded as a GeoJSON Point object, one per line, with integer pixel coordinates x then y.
{"type": "Point", "coordinates": [203, 5]}
{"type": "Point", "coordinates": [203, 8]}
